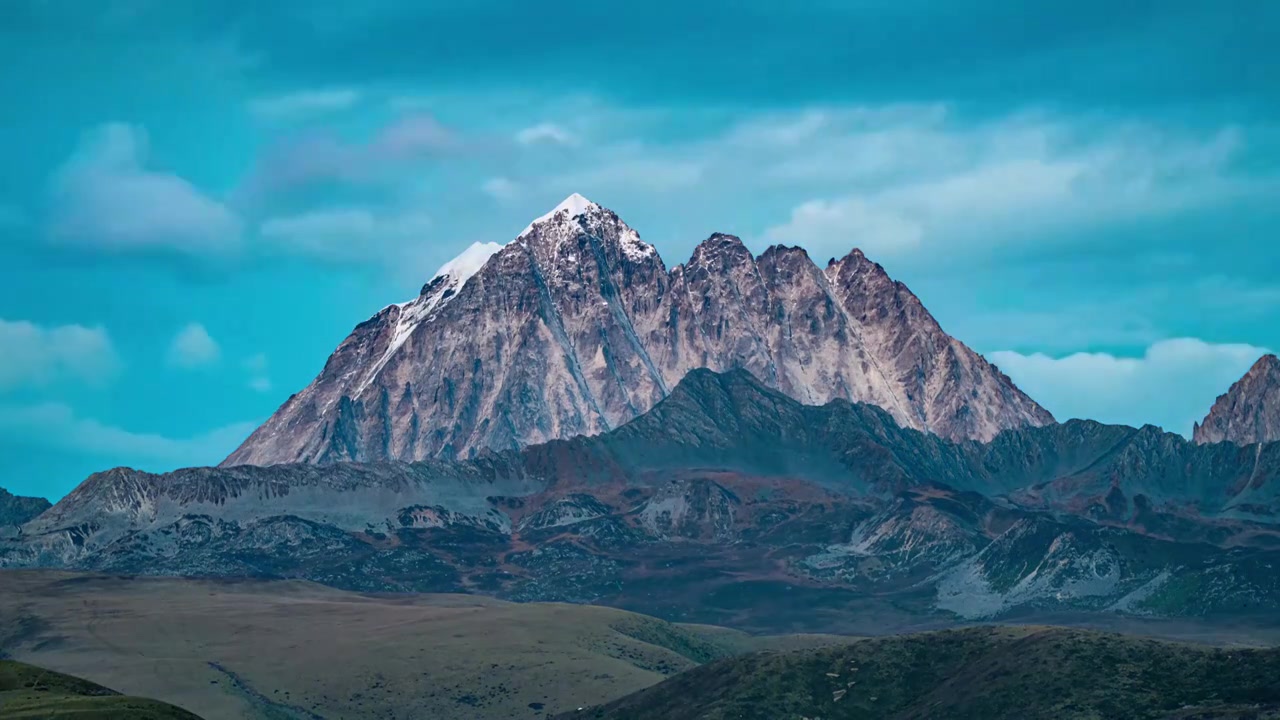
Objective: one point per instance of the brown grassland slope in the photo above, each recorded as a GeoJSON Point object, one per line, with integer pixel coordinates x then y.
{"type": "Point", "coordinates": [284, 649]}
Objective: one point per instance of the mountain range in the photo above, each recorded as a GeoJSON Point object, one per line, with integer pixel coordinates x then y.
{"type": "Point", "coordinates": [577, 326]}
{"type": "Point", "coordinates": [730, 502]}
{"type": "Point", "coordinates": [751, 441]}
{"type": "Point", "coordinates": [16, 509]}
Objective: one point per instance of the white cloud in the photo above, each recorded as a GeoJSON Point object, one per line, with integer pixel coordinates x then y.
{"type": "Point", "coordinates": [930, 186]}
{"type": "Point", "coordinates": [629, 170]}
{"type": "Point", "coordinates": [1061, 306]}
{"type": "Point", "coordinates": [500, 188]}
{"type": "Point", "coordinates": [106, 198]}
{"type": "Point", "coordinates": [296, 229]}
{"type": "Point", "coordinates": [35, 355]}
{"type": "Point", "coordinates": [971, 203]}
{"type": "Point", "coordinates": [785, 130]}
{"type": "Point", "coordinates": [1124, 322]}
{"type": "Point", "coordinates": [411, 136]}
{"type": "Point", "coordinates": [1172, 385]}
{"type": "Point", "coordinates": [918, 179]}
{"type": "Point", "coordinates": [851, 222]}
{"type": "Point", "coordinates": [260, 384]}
{"type": "Point", "coordinates": [350, 234]}
{"type": "Point", "coordinates": [922, 181]}
{"type": "Point", "coordinates": [321, 157]}
{"type": "Point", "coordinates": [56, 426]}
{"type": "Point", "coordinates": [304, 103]}
{"type": "Point", "coordinates": [548, 133]}
{"type": "Point", "coordinates": [193, 347]}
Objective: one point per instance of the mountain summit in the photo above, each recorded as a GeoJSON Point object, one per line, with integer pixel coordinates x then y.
{"type": "Point", "coordinates": [1249, 412]}
{"type": "Point", "coordinates": [572, 207]}
{"type": "Point", "coordinates": [577, 326]}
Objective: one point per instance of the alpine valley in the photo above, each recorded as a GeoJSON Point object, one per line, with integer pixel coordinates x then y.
{"type": "Point", "coordinates": [747, 441]}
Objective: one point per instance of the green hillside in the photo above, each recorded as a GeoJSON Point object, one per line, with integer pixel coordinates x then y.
{"type": "Point", "coordinates": [27, 691]}
{"type": "Point", "coordinates": [980, 673]}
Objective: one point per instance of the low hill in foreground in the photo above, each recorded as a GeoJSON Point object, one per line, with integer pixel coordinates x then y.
{"type": "Point", "coordinates": [228, 649]}
{"type": "Point", "coordinates": [27, 691]}
{"type": "Point", "coordinates": [980, 672]}
{"type": "Point", "coordinates": [231, 649]}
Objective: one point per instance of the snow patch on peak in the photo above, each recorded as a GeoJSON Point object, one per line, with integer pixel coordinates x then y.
{"type": "Point", "coordinates": [575, 205]}
{"type": "Point", "coordinates": [634, 248]}
{"type": "Point", "coordinates": [572, 206]}
{"type": "Point", "coordinates": [468, 263]}
{"type": "Point", "coordinates": [418, 310]}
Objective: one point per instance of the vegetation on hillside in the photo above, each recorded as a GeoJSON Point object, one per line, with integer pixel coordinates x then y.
{"type": "Point", "coordinates": [983, 672]}
{"type": "Point", "coordinates": [27, 691]}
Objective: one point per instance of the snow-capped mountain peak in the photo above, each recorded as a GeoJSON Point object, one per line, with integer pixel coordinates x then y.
{"type": "Point", "coordinates": [572, 207]}
{"type": "Point", "coordinates": [443, 286]}
{"type": "Point", "coordinates": [468, 262]}
{"type": "Point", "coordinates": [579, 327]}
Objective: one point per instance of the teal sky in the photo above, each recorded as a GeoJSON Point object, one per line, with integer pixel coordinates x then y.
{"type": "Point", "coordinates": [199, 200]}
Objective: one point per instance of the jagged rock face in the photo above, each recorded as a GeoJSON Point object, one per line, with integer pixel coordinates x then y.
{"type": "Point", "coordinates": [577, 326]}
{"type": "Point", "coordinates": [571, 510]}
{"type": "Point", "coordinates": [16, 509]}
{"type": "Point", "coordinates": [1249, 412]}
{"type": "Point", "coordinates": [690, 509]}
{"type": "Point", "coordinates": [112, 506]}
{"type": "Point", "coordinates": [725, 489]}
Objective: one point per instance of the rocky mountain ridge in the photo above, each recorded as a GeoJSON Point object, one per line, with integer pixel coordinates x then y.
{"type": "Point", "coordinates": [1247, 413]}
{"type": "Point", "coordinates": [729, 502]}
{"type": "Point", "coordinates": [17, 509]}
{"type": "Point", "coordinates": [577, 327]}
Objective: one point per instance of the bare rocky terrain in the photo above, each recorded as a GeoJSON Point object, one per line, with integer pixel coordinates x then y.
{"type": "Point", "coordinates": [730, 503]}
{"type": "Point", "coordinates": [577, 326]}
{"type": "Point", "coordinates": [16, 509]}
{"type": "Point", "coordinates": [1249, 412]}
